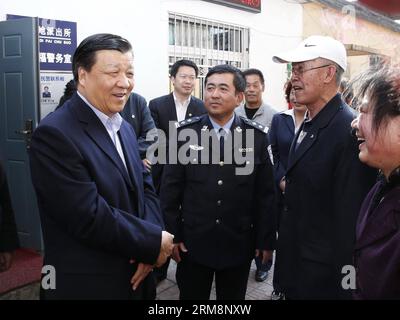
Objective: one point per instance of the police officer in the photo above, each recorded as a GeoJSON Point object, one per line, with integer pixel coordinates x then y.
{"type": "Point", "coordinates": [218, 199]}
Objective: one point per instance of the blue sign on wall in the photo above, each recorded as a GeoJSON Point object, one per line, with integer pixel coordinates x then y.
{"type": "Point", "coordinates": [57, 43]}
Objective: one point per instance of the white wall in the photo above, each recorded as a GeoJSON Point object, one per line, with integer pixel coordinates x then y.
{"type": "Point", "coordinates": [278, 27]}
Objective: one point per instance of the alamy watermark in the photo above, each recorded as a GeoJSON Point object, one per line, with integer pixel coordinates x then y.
{"type": "Point", "coordinates": [204, 148]}
{"type": "Point", "coordinates": [49, 277]}
{"type": "Point", "coordinates": [349, 280]}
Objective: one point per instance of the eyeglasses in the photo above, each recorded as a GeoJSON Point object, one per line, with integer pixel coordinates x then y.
{"type": "Point", "coordinates": [185, 76]}
{"type": "Point", "coordinates": [300, 71]}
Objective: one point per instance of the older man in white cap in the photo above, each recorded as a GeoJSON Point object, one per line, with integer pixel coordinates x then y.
{"type": "Point", "coordinates": [325, 182]}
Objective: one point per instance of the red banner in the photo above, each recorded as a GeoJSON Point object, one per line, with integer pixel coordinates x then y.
{"type": "Point", "coordinates": [248, 5]}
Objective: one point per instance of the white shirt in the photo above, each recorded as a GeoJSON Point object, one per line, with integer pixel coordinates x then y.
{"type": "Point", "coordinates": [181, 108]}
{"type": "Point", "coordinates": [112, 125]}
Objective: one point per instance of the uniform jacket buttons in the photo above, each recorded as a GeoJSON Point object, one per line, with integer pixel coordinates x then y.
{"type": "Point", "coordinates": [217, 221]}
{"type": "Point", "coordinates": [220, 182]}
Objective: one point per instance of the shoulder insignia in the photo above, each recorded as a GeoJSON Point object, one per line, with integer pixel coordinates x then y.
{"type": "Point", "coordinates": [186, 122]}
{"type": "Point", "coordinates": [255, 125]}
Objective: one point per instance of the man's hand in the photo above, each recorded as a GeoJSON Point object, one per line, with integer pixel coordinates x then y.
{"type": "Point", "coordinates": [175, 252]}
{"type": "Point", "coordinates": [266, 255]}
{"type": "Point", "coordinates": [282, 185]}
{"type": "Point", "coordinates": [141, 273]}
{"type": "Point", "coordinates": [166, 248]}
{"type": "Point", "coordinates": [147, 164]}
{"type": "Point", "coordinates": [6, 260]}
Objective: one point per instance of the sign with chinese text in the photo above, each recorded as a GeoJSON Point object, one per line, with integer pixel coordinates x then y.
{"type": "Point", "coordinates": [52, 86]}
{"type": "Point", "coordinates": [248, 5]}
{"type": "Point", "coordinates": [57, 43]}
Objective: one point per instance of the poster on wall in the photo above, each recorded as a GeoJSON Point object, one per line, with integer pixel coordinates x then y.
{"type": "Point", "coordinates": [52, 85]}
{"type": "Point", "coordinates": [57, 44]}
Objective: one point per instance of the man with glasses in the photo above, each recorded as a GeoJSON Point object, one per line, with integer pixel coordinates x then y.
{"type": "Point", "coordinates": [325, 182]}
{"type": "Point", "coordinates": [176, 106]}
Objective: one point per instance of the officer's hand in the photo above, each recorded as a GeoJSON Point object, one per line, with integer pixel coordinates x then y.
{"type": "Point", "coordinates": [147, 164]}
{"type": "Point", "coordinates": [282, 185]}
{"type": "Point", "coordinates": [141, 273]}
{"type": "Point", "coordinates": [166, 248]}
{"type": "Point", "coordinates": [175, 252]}
{"type": "Point", "coordinates": [266, 255]}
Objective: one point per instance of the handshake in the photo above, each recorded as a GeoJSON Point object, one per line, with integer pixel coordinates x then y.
{"type": "Point", "coordinates": [144, 269]}
{"type": "Point", "coordinates": [166, 248]}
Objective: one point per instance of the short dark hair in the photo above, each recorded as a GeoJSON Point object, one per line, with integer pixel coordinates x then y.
{"type": "Point", "coordinates": [69, 90]}
{"type": "Point", "coordinates": [85, 54]}
{"type": "Point", "coordinates": [382, 87]}
{"type": "Point", "coordinates": [257, 72]}
{"type": "Point", "coordinates": [181, 63]}
{"type": "Point", "coordinates": [238, 81]}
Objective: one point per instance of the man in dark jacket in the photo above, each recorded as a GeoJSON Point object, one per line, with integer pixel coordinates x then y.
{"type": "Point", "coordinates": [101, 220]}
{"type": "Point", "coordinates": [219, 202]}
{"type": "Point", "coordinates": [325, 182]}
{"type": "Point", "coordinates": [8, 230]}
{"type": "Point", "coordinates": [176, 106]}
{"type": "Point", "coordinates": [137, 113]}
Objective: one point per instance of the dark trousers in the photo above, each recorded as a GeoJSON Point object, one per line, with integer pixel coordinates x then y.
{"type": "Point", "coordinates": [195, 281]}
{"type": "Point", "coordinates": [263, 267]}
{"type": "Point", "coordinates": [161, 273]}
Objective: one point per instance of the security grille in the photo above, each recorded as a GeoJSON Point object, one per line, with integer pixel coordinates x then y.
{"type": "Point", "coordinates": [207, 43]}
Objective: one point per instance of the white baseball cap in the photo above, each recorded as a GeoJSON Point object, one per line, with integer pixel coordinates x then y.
{"type": "Point", "coordinates": [316, 47]}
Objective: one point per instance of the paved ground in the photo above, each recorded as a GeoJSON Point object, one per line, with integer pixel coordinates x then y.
{"type": "Point", "coordinates": [166, 290]}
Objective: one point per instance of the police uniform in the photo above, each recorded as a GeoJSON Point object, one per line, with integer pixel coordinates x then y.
{"type": "Point", "coordinates": [220, 216]}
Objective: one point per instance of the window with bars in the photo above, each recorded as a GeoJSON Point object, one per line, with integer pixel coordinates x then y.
{"type": "Point", "coordinates": [207, 43]}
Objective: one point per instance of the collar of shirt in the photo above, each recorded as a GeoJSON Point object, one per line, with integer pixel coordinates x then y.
{"type": "Point", "coordinates": [259, 112]}
{"type": "Point", "coordinates": [110, 123]}
{"type": "Point", "coordinates": [307, 117]}
{"type": "Point", "coordinates": [185, 103]}
{"type": "Point", "coordinates": [258, 107]}
{"type": "Point", "coordinates": [290, 112]}
{"type": "Point", "coordinates": [227, 126]}
{"type": "Point", "coordinates": [181, 108]}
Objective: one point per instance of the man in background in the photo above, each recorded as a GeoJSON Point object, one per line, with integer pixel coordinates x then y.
{"type": "Point", "coordinates": [176, 106]}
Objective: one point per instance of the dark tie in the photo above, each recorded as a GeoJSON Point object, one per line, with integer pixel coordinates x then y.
{"type": "Point", "coordinates": [222, 134]}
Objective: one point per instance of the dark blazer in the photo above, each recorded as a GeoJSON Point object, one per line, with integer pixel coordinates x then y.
{"type": "Point", "coordinates": [325, 186]}
{"type": "Point", "coordinates": [163, 111]}
{"type": "Point", "coordinates": [95, 214]}
{"type": "Point", "coordinates": [377, 253]}
{"type": "Point", "coordinates": [281, 135]}
{"type": "Point", "coordinates": [220, 216]}
{"type": "Point", "coordinates": [138, 115]}
{"type": "Point", "coordinates": [8, 229]}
